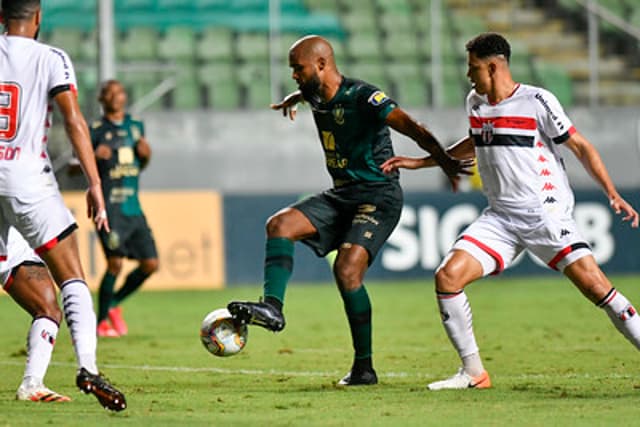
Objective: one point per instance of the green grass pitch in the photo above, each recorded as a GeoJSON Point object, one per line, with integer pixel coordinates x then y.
{"type": "Point", "coordinates": [555, 360]}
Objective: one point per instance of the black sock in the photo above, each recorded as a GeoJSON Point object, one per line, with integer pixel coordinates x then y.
{"type": "Point", "coordinates": [364, 364]}
{"type": "Point", "coordinates": [273, 301]}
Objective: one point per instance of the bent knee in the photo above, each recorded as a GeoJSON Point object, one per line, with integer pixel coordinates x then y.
{"type": "Point", "coordinates": [276, 224]}
{"type": "Point", "coordinates": [150, 266]}
{"type": "Point", "coordinates": [446, 279]}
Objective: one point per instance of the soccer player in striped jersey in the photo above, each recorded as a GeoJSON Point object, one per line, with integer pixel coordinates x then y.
{"type": "Point", "coordinates": [359, 213]}
{"type": "Point", "coordinates": [33, 77]}
{"type": "Point", "coordinates": [515, 134]}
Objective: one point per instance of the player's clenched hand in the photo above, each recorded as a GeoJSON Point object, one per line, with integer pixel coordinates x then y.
{"type": "Point", "coordinates": [619, 206]}
{"type": "Point", "coordinates": [400, 162]}
{"type": "Point", "coordinates": [96, 208]}
{"type": "Point", "coordinates": [289, 105]}
{"type": "Point", "coordinates": [103, 152]}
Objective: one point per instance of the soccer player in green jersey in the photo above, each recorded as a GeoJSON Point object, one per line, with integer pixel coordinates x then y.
{"type": "Point", "coordinates": [359, 213]}
{"type": "Point", "coordinates": [121, 151]}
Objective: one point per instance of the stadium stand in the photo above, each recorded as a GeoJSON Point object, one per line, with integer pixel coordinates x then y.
{"type": "Point", "coordinates": [387, 42]}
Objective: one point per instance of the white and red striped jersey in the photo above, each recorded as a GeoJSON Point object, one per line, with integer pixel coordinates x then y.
{"type": "Point", "coordinates": [517, 153]}
{"type": "Point", "coordinates": [31, 74]}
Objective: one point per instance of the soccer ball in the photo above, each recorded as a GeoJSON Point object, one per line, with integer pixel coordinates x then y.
{"type": "Point", "coordinates": [220, 335]}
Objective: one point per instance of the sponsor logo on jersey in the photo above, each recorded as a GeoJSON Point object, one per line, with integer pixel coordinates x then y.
{"type": "Point", "coordinates": [338, 114]}
{"type": "Point", "coordinates": [377, 98]}
{"type": "Point", "coordinates": [564, 232]}
{"type": "Point", "coordinates": [550, 199]}
{"type": "Point", "coordinates": [545, 105]}
{"type": "Point", "coordinates": [366, 208]}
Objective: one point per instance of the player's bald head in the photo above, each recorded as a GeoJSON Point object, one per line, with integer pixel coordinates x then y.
{"type": "Point", "coordinates": [312, 48]}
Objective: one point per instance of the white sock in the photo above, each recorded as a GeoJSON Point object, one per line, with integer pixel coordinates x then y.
{"type": "Point", "coordinates": [40, 342]}
{"type": "Point", "coordinates": [457, 320]}
{"type": "Point", "coordinates": [81, 320]}
{"type": "Point", "coordinates": [623, 315]}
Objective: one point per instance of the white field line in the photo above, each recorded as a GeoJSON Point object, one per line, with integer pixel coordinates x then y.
{"type": "Point", "coordinates": [275, 372]}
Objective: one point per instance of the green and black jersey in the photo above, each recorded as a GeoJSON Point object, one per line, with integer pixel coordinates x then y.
{"type": "Point", "coordinates": [354, 136]}
{"type": "Point", "coordinates": [119, 174]}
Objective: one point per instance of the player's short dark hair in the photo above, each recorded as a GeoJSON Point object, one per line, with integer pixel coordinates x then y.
{"type": "Point", "coordinates": [489, 44]}
{"type": "Point", "coordinates": [104, 86]}
{"type": "Point", "coordinates": [19, 9]}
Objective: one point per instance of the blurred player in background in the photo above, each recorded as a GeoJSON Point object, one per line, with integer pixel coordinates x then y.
{"type": "Point", "coordinates": [515, 132]}
{"type": "Point", "coordinates": [32, 76]}
{"type": "Point", "coordinates": [122, 151]}
{"type": "Point", "coordinates": [359, 213]}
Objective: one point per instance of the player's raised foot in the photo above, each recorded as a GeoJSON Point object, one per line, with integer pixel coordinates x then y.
{"type": "Point", "coordinates": [39, 393]}
{"type": "Point", "coordinates": [257, 313]}
{"type": "Point", "coordinates": [108, 396]}
{"type": "Point", "coordinates": [462, 380]}
{"type": "Point", "coordinates": [359, 377]}
{"type": "Point", "coordinates": [106, 330]}
{"type": "Point", "coordinates": [117, 321]}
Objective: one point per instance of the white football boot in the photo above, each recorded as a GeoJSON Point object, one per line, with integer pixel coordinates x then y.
{"type": "Point", "coordinates": [462, 380]}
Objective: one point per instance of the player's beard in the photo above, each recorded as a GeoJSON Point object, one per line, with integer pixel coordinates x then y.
{"type": "Point", "coordinates": [311, 89]}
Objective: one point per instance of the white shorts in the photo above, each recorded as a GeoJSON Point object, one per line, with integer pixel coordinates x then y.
{"type": "Point", "coordinates": [18, 253]}
{"type": "Point", "coordinates": [495, 239]}
{"type": "Point", "coordinates": [41, 221]}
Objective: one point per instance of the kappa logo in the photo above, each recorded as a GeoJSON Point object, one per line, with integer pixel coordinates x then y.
{"type": "Point", "coordinates": [550, 199]}
{"type": "Point", "coordinates": [487, 132]}
{"type": "Point", "coordinates": [377, 98]}
{"type": "Point", "coordinates": [564, 232]}
{"type": "Point", "coordinates": [545, 172]}
{"type": "Point", "coordinates": [548, 186]}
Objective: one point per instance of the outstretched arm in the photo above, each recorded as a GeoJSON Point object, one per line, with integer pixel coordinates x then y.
{"type": "Point", "coordinates": [405, 124]}
{"type": "Point", "coordinates": [462, 149]}
{"type": "Point", "coordinates": [289, 105]}
{"type": "Point", "coordinates": [78, 133]}
{"type": "Point", "coordinates": [593, 164]}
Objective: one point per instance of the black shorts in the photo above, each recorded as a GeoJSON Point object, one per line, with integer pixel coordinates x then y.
{"type": "Point", "coordinates": [361, 214]}
{"type": "Point", "coordinates": [130, 237]}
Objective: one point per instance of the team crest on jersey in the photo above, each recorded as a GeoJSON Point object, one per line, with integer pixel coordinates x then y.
{"type": "Point", "coordinates": [487, 132]}
{"type": "Point", "coordinates": [108, 136]}
{"type": "Point", "coordinates": [377, 98]}
{"type": "Point", "coordinates": [338, 114]}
